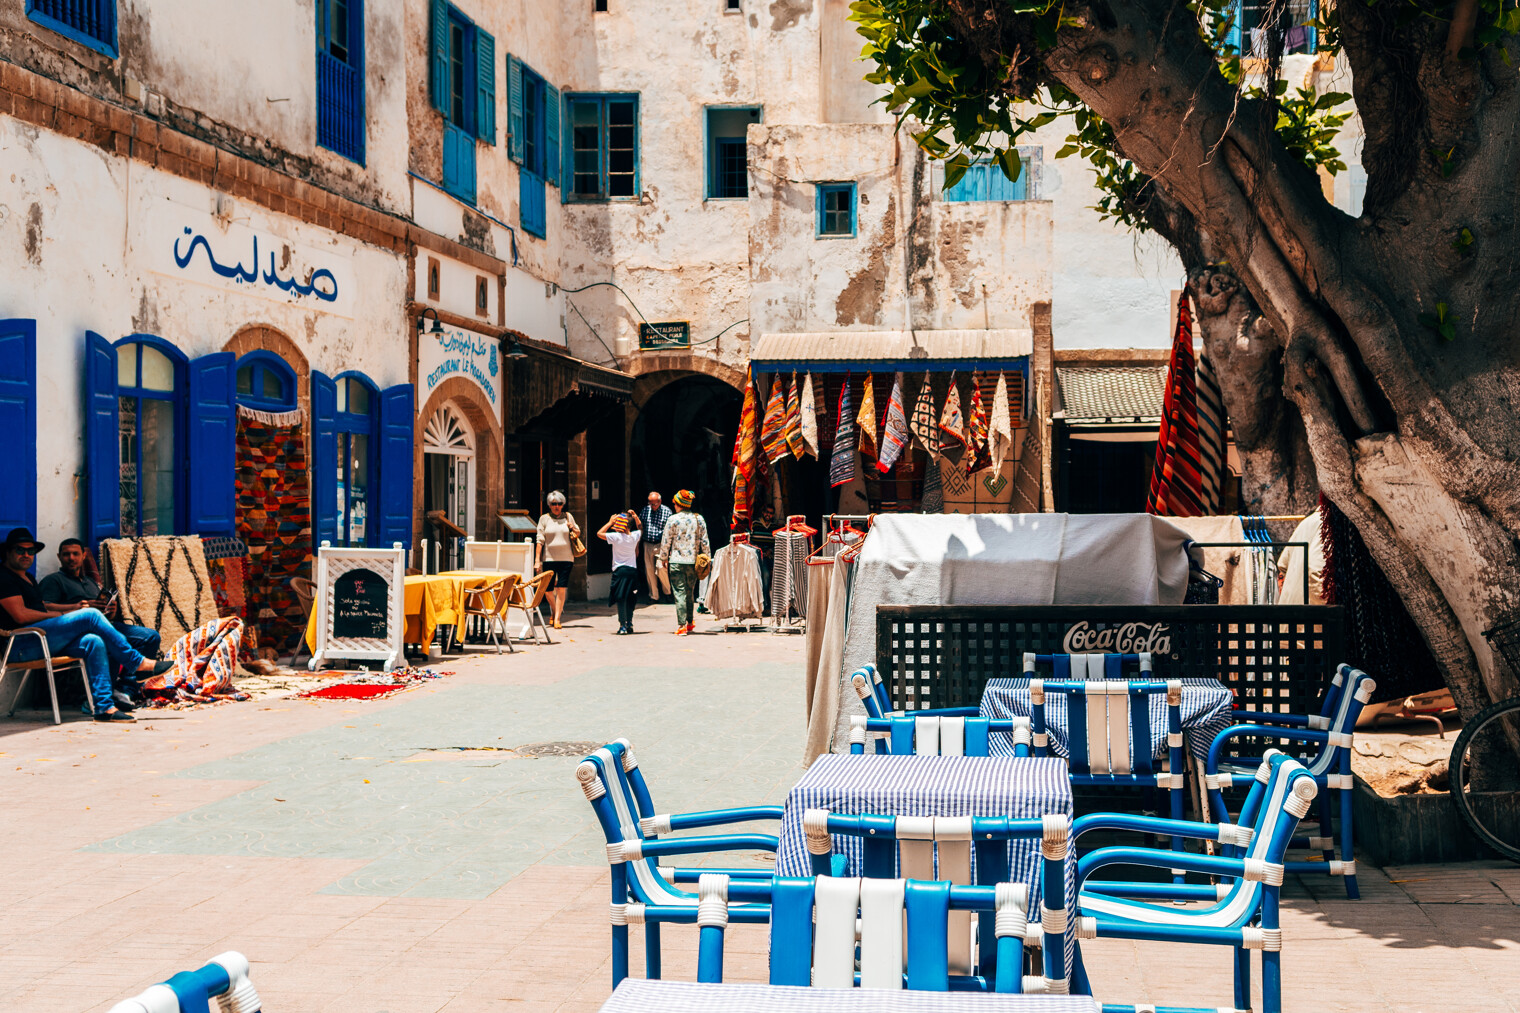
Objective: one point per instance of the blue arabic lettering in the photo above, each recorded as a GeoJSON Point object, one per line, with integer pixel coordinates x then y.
{"type": "Point", "coordinates": [238, 272]}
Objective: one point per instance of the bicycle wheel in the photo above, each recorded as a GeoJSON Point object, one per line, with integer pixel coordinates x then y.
{"type": "Point", "coordinates": [1484, 755]}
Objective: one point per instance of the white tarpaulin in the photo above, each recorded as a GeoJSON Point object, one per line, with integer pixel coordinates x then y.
{"type": "Point", "coordinates": [1005, 559]}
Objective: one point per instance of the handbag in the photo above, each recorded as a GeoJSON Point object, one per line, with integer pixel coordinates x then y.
{"type": "Point", "coordinates": [703, 565]}
{"type": "Point", "coordinates": [577, 546]}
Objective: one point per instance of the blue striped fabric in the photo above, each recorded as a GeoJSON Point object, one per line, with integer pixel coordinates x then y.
{"type": "Point", "coordinates": [641, 995]}
{"type": "Point", "coordinates": [1205, 713]}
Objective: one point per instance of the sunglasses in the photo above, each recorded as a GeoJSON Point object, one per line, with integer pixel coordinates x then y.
{"type": "Point", "coordinates": [24, 552]}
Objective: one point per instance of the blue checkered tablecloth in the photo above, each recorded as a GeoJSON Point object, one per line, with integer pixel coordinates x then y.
{"type": "Point", "coordinates": [1205, 713]}
{"type": "Point", "coordinates": [640, 995]}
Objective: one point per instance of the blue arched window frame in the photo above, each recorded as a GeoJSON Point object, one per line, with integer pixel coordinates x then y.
{"type": "Point", "coordinates": [349, 424]}
{"type": "Point", "coordinates": [260, 366]}
{"type": "Point", "coordinates": [132, 345]}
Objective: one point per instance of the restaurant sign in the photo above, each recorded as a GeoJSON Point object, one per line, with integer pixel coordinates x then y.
{"type": "Point", "coordinates": [1123, 638]}
{"type": "Point", "coordinates": [458, 352]}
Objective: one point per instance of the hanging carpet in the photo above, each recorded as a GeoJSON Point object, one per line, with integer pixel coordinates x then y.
{"type": "Point", "coordinates": [162, 581]}
{"type": "Point", "coordinates": [274, 521]}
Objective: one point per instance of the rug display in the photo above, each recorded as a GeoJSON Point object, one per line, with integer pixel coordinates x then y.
{"type": "Point", "coordinates": [373, 685]}
{"type": "Point", "coordinates": [163, 582]}
{"type": "Point", "coordinates": [274, 521]}
{"type": "Point", "coordinates": [205, 660]}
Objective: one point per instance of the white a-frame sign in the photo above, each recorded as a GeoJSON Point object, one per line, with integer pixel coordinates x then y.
{"type": "Point", "coordinates": [360, 605]}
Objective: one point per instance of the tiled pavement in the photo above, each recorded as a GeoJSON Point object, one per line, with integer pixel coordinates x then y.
{"type": "Point", "coordinates": [365, 862]}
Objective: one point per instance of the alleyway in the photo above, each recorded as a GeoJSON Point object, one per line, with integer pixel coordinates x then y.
{"type": "Point", "coordinates": [386, 856]}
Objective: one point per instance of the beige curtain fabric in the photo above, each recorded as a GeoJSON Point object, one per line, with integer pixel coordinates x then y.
{"type": "Point", "coordinates": [1291, 564]}
{"type": "Point", "coordinates": [829, 671]}
{"type": "Point", "coordinates": [819, 573]}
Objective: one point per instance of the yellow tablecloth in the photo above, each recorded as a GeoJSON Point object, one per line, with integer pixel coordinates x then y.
{"type": "Point", "coordinates": [429, 602]}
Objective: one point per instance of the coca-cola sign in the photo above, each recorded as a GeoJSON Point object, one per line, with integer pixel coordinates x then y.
{"type": "Point", "coordinates": [1125, 638]}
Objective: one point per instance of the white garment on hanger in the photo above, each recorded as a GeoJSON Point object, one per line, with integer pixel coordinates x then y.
{"type": "Point", "coordinates": [733, 587]}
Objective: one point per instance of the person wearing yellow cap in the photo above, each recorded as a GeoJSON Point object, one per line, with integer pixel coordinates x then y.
{"type": "Point", "coordinates": [684, 540]}
{"type": "Point", "coordinates": [621, 533]}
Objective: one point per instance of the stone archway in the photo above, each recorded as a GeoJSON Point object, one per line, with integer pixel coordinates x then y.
{"type": "Point", "coordinates": [681, 436]}
{"type": "Point", "coordinates": [655, 370]}
{"type": "Point", "coordinates": [490, 487]}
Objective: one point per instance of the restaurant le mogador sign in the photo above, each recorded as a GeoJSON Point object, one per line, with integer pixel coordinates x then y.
{"type": "Point", "coordinates": [1125, 638]}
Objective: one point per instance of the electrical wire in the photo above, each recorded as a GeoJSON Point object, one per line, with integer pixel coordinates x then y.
{"type": "Point", "coordinates": [613, 285]}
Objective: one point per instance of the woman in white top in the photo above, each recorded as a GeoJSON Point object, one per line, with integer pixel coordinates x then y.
{"type": "Point", "coordinates": [555, 550]}
{"type": "Point", "coordinates": [622, 533]}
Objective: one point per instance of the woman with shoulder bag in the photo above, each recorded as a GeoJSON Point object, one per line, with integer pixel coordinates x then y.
{"type": "Point", "coordinates": [558, 536]}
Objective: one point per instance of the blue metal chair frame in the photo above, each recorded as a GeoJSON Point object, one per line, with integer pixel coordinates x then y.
{"type": "Point", "coordinates": [225, 977]}
{"type": "Point", "coordinates": [1103, 751]}
{"type": "Point", "coordinates": [1332, 730]}
{"type": "Point", "coordinates": [641, 891]}
{"type": "Point", "coordinates": [933, 735]}
{"type": "Point", "coordinates": [1244, 909]}
{"type": "Point", "coordinates": [925, 848]}
{"type": "Point", "coordinates": [873, 696]}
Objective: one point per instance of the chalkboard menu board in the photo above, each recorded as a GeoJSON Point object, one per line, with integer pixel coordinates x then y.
{"type": "Point", "coordinates": [361, 606]}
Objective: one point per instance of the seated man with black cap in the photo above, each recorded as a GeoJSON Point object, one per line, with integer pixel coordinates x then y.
{"type": "Point", "coordinates": [76, 586]}
{"type": "Point", "coordinates": [83, 633]}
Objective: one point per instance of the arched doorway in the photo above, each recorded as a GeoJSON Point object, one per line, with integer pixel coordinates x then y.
{"type": "Point", "coordinates": [448, 476]}
{"type": "Point", "coordinates": [684, 438]}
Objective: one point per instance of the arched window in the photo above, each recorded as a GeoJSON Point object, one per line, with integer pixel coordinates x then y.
{"type": "Point", "coordinates": [266, 382]}
{"type": "Point", "coordinates": [361, 461]}
{"type": "Point", "coordinates": [150, 385]}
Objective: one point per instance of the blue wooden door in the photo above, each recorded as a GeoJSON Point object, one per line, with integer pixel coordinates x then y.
{"type": "Point", "coordinates": [102, 440]}
{"type": "Point", "coordinates": [324, 460]}
{"type": "Point", "coordinates": [397, 414]}
{"type": "Point", "coordinates": [211, 445]}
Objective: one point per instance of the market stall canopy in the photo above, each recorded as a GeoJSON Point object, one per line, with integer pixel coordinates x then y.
{"type": "Point", "coordinates": [553, 391]}
{"type": "Point", "coordinates": [890, 351]}
{"type": "Point", "coordinates": [1094, 396]}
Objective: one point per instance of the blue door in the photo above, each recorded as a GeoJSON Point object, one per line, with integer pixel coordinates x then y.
{"type": "Point", "coordinates": [324, 460]}
{"type": "Point", "coordinates": [102, 440]}
{"type": "Point", "coordinates": [18, 421]}
{"type": "Point", "coordinates": [397, 450]}
{"type": "Point", "coordinates": [212, 445]}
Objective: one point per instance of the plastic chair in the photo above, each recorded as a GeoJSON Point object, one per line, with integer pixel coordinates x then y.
{"type": "Point", "coordinates": [225, 977]}
{"type": "Point", "coordinates": [490, 605]}
{"type": "Point", "coordinates": [528, 595]}
{"type": "Point", "coordinates": [1243, 912]}
{"type": "Point", "coordinates": [1332, 730]}
{"type": "Point", "coordinates": [47, 664]}
{"type": "Point", "coordinates": [940, 847]}
{"type": "Point", "coordinates": [910, 735]}
{"type": "Point", "coordinates": [643, 892]}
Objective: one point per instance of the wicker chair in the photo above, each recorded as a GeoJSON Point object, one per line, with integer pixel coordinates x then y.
{"type": "Point", "coordinates": [490, 604]}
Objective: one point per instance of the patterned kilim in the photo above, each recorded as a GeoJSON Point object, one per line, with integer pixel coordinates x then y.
{"type": "Point", "coordinates": [894, 430]}
{"type": "Point", "coordinates": [274, 520]}
{"type": "Point", "coordinates": [205, 660]}
{"type": "Point", "coordinates": [999, 427]}
{"type": "Point", "coordinates": [791, 427]}
{"type": "Point", "coordinates": [952, 425]}
{"type": "Point", "coordinates": [1176, 486]}
{"type": "Point", "coordinates": [229, 575]}
{"type": "Point", "coordinates": [1211, 428]}
{"type": "Point", "coordinates": [772, 432]}
{"type": "Point", "coordinates": [923, 422]}
{"type": "Point", "coordinates": [976, 429]}
{"type": "Point", "coordinates": [745, 453]}
{"type": "Point", "coordinates": [842, 459]}
{"type": "Point", "coordinates": [866, 420]}
{"type": "Point", "coordinates": [808, 410]}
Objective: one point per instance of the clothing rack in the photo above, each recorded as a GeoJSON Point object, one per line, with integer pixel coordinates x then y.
{"type": "Point", "coordinates": [1264, 544]}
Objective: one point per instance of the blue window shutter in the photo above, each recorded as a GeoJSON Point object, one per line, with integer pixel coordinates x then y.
{"type": "Point", "coordinates": [18, 421]}
{"type": "Point", "coordinates": [340, 88]}
{"type": "Point", "coordinates": [212, 445]}
{"type": "Point", "coordinates": [397, 414]}
{"type": "Point", "coordinates": [514, 109]}
{"type": "Point", "coordinates": [485, 86]}
{"type": "Point", "coordinates": [551, 133]}
{"type": "Point", "coordinates": [439, 89]}
{"type": "Point", "coordinates": [324, 459]}
{"type": "Point", "coordinates": [102, 440]}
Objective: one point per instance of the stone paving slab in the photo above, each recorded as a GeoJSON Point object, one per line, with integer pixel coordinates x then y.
{"type": "Point", "coordinates": [365, 865]}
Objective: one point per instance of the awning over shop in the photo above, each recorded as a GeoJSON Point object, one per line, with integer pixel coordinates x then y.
{"type": "Point", "coordinates": [889, 351]}
{"type": "Point", "coordinates": [553, 391]}
{"type": "Point", "coordinates": [1114, 398]}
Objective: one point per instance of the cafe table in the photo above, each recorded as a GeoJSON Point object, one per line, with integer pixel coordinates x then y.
{"type": "Point", "coordinates": [641, 995]}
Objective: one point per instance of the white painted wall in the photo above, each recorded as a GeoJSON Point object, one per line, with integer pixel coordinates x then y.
{"type": "Point", "coordinates": [93, 266]}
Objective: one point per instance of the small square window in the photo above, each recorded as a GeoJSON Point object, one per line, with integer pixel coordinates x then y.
{"type": "Point", "coordinates": [600, 6]}
{"type": "Point", "coordinates": [836, 209]}
{"type": "Point", "coordinates": [432, 279]}
{"type": "Point", "coordinates": [482, 296]}
{"type": "Point", "coordinates": [731, 5]}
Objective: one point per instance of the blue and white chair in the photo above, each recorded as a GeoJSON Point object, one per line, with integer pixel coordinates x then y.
{"type": "Point", "coordinates": [225, 978]}
{"type": "Point", "coordinates": [1240, 912]}
{"type": "Point", "coordinates": [874, 698]}
{"type": "Point", "coordinates": [1349, 691]}
{"type": "Point", "coordinates": [934, 735]}
{"type": "Point", "coordinates": [942, 848]}
{"type": "Point", "coordinates": [643, 891]}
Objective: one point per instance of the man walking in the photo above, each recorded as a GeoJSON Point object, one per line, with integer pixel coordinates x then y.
{"type": "Point", "coordinates": [685, 539]}
{"type": "Point", "coordinates": [653, 519]}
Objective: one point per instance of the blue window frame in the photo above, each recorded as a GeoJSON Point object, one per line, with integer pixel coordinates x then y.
{"type": "Point", "coordinates": [984, 181]}
{"type": "Point", "coordinates": [150, 393]}
{"type": "Point", "coordinates": [340, 77]}
{"type": "Point", "coordinates": [836, 209]}
{"type": "Point", "coordinates": [602, 158]}
{"type": "Point", "coordinates": [463, 89]}
{"type": "Point", "coordinates": [727, 155]}
{"type": "Point", "coordinates": [353, 432]}
{"type": "Point", "coordinates": [1246, 37]}
{"type": "Point", "coordinates": [90, 23]}
{"type": "Point", "coordinates": [266, 382]}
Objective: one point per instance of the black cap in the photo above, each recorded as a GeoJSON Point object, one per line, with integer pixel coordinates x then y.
{"type": "Point", "coordinates": [22, 536]}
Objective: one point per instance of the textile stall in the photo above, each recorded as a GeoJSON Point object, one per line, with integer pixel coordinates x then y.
{"type": "Point", "coordinates": [734, 585]}
{"type": "Point", "coordinates": [162, 581]}
{"type": "Point", "coordinates": [273, 522]}
{"type": "Point", "coordinates": [789, 575]}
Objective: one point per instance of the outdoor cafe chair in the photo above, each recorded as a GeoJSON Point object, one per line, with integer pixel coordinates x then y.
{"type": "Point", "coordinates": [942, 848]}
{"type": "Point", "coordinates": [48, 665]}
{"type": "Point", "coordinates": [528, 596]}
{"type": "Point", "coordinates": [643, 892]}
{"type": "Point", "coordinates": [224, 978]}
{"type": "Point", "coordinates": [933, 735]}
{"type": "Point", "coordinates": [1331, 730]}
{"type": "Point", "coordinates": [490, 605]}
{"type": "Point", "coordinates": [867, 683]}
{"type": "Point", "coordinates": [1241, 911]}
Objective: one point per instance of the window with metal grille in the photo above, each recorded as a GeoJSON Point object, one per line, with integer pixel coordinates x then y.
{"type": "Point", "coordinates": [603, 154]}
{"type": "Point", "coordinates": [727, 171]}
{"type": "Point", "coordinates": [836, 209]}
{"type": "Point", "coordinates": [90, 23]}
{"type": "Point", "coordinates": [340, 77]}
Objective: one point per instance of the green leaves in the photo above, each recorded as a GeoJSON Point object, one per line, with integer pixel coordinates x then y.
{"type": "Point", "coordinates": [1441, 321]}
{"type": "Point", "coordinates": [1463, 241]}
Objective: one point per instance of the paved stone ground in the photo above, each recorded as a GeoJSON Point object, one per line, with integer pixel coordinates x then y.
{"type": "Point", "coordinates": [389, 856]}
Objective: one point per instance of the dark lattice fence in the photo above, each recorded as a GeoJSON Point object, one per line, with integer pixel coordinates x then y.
{"type": "Point", "coordinates": [1273, 657]}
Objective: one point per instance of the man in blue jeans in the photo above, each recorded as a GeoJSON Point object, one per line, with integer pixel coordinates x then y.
{"type": "Point", "coordinates": [84, 633]}
{"type": "Point", "coordinates": [76, 586]}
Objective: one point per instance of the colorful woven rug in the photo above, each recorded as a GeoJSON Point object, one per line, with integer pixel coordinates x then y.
{"type": "Point", "coordinates": [274, 520]}
{"type": "Point", "coordinates": [373, 685]}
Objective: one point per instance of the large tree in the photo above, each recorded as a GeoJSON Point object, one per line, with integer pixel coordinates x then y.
{"type": "Point", "coordinates": [1372, 358]}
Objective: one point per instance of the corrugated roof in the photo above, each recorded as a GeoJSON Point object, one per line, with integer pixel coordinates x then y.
{"type": "Point", "coordinates": [900, 349]}
{"type": "Point", "coordinates": [1111, 394]}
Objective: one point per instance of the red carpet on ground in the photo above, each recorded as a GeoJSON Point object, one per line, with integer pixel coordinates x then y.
{"type": "Point", "coordinates": [352, 691]}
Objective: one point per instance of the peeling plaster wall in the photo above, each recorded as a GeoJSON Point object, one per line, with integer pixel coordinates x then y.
{"type": "Point", "coordinates": [80, 233]}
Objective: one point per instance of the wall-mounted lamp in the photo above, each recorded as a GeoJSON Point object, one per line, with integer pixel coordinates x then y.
{"type": "Point", "coordinates": [422, 318]}
{"type": "Point", "coordinates": [515, 350]}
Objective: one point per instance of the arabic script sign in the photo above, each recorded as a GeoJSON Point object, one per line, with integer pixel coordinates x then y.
{"type": "Point", "coordinates": [1126, 638]}
{"type": "Point", "coordinates": [232, 256]}
{"type": "Point", "coordinates": [458, 352]}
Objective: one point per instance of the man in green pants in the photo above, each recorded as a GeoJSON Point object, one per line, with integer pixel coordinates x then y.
{"type": "Point", "coordinates": [684, 540]}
